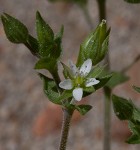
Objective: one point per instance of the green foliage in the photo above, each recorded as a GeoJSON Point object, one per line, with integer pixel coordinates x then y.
{"type": "Point", "coordinates": [51, 91]}
{"type": "Point", "coordinates": [132, 1]}
{"type": "Point", "coordinates": [126, 110]}
{"type": "Point", "coordinates": [46, 63]}
{"type": "Point", "coordinates": [95, 46]}
{"type": "Point", "coordinates": [15, 31]}
{"type": "Point", "coordinates": [117, 78]}
{"type": "Point", "coordinates": [79, 2]}
{"type": "Point", "coordinates": [103, 81]}
{"type": "Point", "coordinates": [135, 129]}
{"type": "Point", "coordinates": [96, 72]}
{"type": "Point", "coordinates": [83, 109]}
{"type": "Point", "coordinates": [32, 45]}
{"type": "Point", "coordinates": [45, 36]}
{"type": "Point", "coordinates": [122, 108]}
{"type": "Point", "coordinates": [67, 72]}
{"type": "Point", "coordinates": [136, 89]}
{"type": "Point", "coordinates": [49, 45]}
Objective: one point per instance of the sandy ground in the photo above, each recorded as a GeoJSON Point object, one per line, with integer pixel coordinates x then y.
{"type": "Point", "coordinates": [27, 120]}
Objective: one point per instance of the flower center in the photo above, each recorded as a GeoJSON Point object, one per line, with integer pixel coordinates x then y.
{"type": "Point", "coordinates": [79, 81]}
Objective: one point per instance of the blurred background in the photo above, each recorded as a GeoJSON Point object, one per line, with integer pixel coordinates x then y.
{"type": "Point", "coordinates": [28, 121]}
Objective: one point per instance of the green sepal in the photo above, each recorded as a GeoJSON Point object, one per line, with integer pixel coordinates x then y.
{"type": "Point", "coordinates": [122, 108]}
{"type": "Point", "coordinates": [65, 95]}
{"type": "Point", "coordinates": [96, 71]}
{"type": "Point", "coordinates": [136, 89]}
{"type": "Point", "coordinates": [117, 78]}
{"type": "Point", "coordinates": [46, 63]}
{"type": "Point", "coordinates": [83, 109]}
{"type": "Point", "coordinates": [133, 1]}
{"type": "Point", "coordinates": [103, 81]}
{"type": "Point", "coordinates": [135, 137]}
{"type": "Point", "coordinates": [90, 89]}
{"type": "Point", "coordinates": [50, 89]}
{"type": "Point", "coordinates": [95, 46]}
{"type": "Point", "coordinates": [66, 71]}
{"type": "Point", "coordinates": [45, 36]}
{"type": "Point", "coordinates": [15, 31]}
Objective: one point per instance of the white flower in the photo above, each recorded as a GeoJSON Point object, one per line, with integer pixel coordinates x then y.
{"type": "Point", "coordinates": [79, 80]}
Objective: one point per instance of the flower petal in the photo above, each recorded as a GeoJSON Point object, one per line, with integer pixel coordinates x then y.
{"type": "Point", "coordinates": [73, 67]}
{"type": "Point", "coordinates": [78, 93]}
{"type": "Point", "coordinates": [91, 81]}
{"type": "Point", "coordinates": [86, 67]}
{"type": "Point", "coordinates": [66, 84]}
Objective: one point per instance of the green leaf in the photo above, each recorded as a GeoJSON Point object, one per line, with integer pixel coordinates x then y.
{"type": "Point", "coordinates": [50, 89]}
{"type": "Point", "coordinates": [59, 35]}
{"type": "Point", "coordinates": [132, 1]}
{"type": "Point", "coordinates": [15, 31]}
{"type": "Point", "coordinates": [117, 78]}
{"type": "Point", "coordinates": [122, 108]}
{"type": "Point", "coordinates": [46, 63]}
{"type": "Point", "coordinates": [136, 88]}
{"type": "Point", "coordinates": [57, 44]}
{"type": "Point", "coordinates": [32, 45]}
{"type": "Point", "coordinates": [45, 36]}
{"type": "Point", "coordinates": [83, 109]}
{"type": "Point", "coordinates": [103, 81]}
{"type": "Point", "coordinates": [136, 115]}
{"type": "Point", "coordinates": [95, 46]}
{"type": "Point", "coordinates": [135, 137]}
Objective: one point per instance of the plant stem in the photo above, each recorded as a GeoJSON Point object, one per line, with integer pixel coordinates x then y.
{"type": "Point", "coordinates": [107, 91]}
{"type": "Point", "coordinates": [87, 16]}
{"type": "Point", "coordinates": [102, 9]}
{"type": "Point", "coordinates": [107, 118]}
{"type": "Point", "coordinates": [65, 129]}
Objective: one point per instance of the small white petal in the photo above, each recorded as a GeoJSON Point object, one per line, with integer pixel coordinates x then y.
{"type": "Point", "coordinates": [73, 67]}
{"type": "Point", "coordinates": [66, 84]}
{"type": "Point", "coordinates": [86, 67]}
{"type": "Point", "coordinates": [91, 81]}
{"type": "Point", "coordinates": [78, 93]}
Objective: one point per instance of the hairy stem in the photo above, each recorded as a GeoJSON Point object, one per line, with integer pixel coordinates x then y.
{"type": "Point", "coordinates": [65, 129]}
